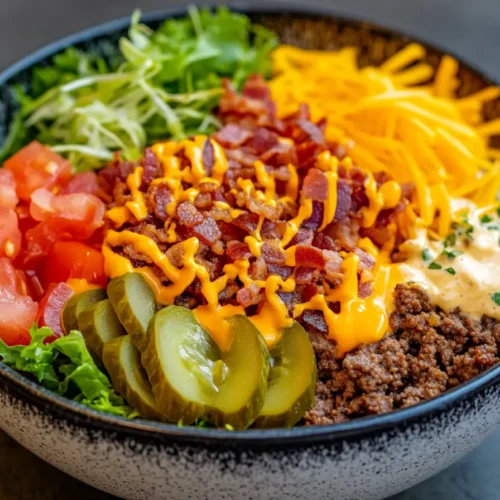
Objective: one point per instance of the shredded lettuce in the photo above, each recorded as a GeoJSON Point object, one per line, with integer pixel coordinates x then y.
{"type": "Point", "coordinates": [165, 83]}
{"type": "Point", "coordinates": [66, 367]}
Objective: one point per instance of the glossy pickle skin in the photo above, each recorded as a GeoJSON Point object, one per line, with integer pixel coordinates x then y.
{"type": "Point", "coordinates": [77, 304]}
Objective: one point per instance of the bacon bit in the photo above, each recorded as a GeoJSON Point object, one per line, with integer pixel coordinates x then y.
{"type": "Point", "coordinates": [366, 261]}
{"type": "Point", "coordinates": [344, 193]}
{"type": "Point", "coordinates": [365, 289]}
{"type": "Point", "coordinates": [333, 264]}
{"type": "Point", "coordinates": [188, 214]}
{"type": "Point", "coordinates": [249, 296]}
{"type": "Point", "coordinates": [324, 242]}
{"type": "Point", "coordinates": [272, 253]}
{"type": "Point", "coordinates": [305, 235]}
{"type": "Point", "coordinates": [262, 141]}
{"type": "Point", "coordinates": [283, 271]}
{"type": "Point", "coordinates": [314, 321]}
{"type": "Point", "coordinates": [160, 196]}
{"type": "Point", "coordinates": [309, 256]}
{"type": "Point", "coordinates": [151, 167]}
{"type": "Point", "coordinates": [232, 103]}
{"type": "Point", "coordinates": [273, 230]}
{"type": "Point", "coordinates": [291, 299]}
{"type": "Point", "coordinates": [258, 269]}
{"type": "Point", "coordinates": [238, 251]}
{"type": "Point", "coordinates": [203, 201]}
{"type": "Point", "coordinates": [304, 275]}
{"type": "Point", "coordinates": [232, 136]}
{"type": "Point", "coordinates": [316, 219]}
{"type": "Point", "coordinates": [208, 231]}
{"type": "Point", "coordinates": [208, 157]}
{"type": "Point", "coordinates": [307, 154]}
{"type": "Point", "coordinates": [247, 221]}
{"type": "Point", "coordinates": [345, 233]}
{"type": "Point", "coordinates": [175, 255]}
{"type": "Point", "coordinates": [312, 131]}
{"type": "Point", "coordinates": [281, 154]}
{"type": "Point", "coordinates": [315, 185]}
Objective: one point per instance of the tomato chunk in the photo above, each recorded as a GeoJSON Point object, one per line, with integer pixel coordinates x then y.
{"type": "Point", "coordinates": [51, 307]}
{"type": "Point", "coordinates": [74, 260]}
{"type": "Point", "coordinates": [17, 311]}
{"type": "Point", "coordinates": [85, 183]}
{"type": "Point", "coordinates": [78, 215]}
{"type": "Point", "coordinates": [8, 196]}
{"type": "Point", "coordinates": [36, 166]}
{"type": "Point", "coordinates": [10, 235]}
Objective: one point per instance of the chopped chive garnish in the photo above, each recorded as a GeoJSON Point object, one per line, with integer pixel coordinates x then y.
{"type": "Point", "coordinates": [450, 240]}
{"type": "Point", "coordinates": [469, 231]}
{"type": "Point", "coordinates": [426, 254]}
{"type": "Point", "coordinates": [498, 211]}
{"type": "Point", "coordinates": [451, 254]}
{"type": "Point", "coordinates": [450, 270]}
{"type": "Point", "coordinates": [496, 298]}
{"type": "Point", "coordinates": [486, 218]}
{"type": "Point", "coordinates": [492, 228]}
{"type": "Point", "coordinates": [435, 265]}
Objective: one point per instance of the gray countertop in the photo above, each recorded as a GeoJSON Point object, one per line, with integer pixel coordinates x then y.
{"type": "Point", "coordinates": [469, 28]}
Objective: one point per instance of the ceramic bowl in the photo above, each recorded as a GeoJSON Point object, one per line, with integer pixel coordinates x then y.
{"type": "Point", "coordinates": [366, 459]}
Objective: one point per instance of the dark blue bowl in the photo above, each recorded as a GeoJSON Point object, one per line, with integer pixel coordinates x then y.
{"type": "Point", "coordinates": [369, 458]}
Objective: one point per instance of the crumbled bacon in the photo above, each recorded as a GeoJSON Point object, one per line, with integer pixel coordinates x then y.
{"type": "Point", "coordinates": [247, 221]}
{"type": "Point", "coordinates": [309, 256]}
{"type": "Point", "coordinates": [208, 157]}
{"type": "Point", "coordinates": [158, 197]}
{"type": "Point", "coordinates": [366, 261]}
{"type": "Point", "coordinates": [304, 275]}
{"type": "Point", "coordinates": [237, 250]}
{"type": "Point", "coordinates": [315, 185]}
{"type": "Point", "coordinates": [232, 135]}
{"type": "Point", "coordinates": [207, 231]}
{"type": "Point", "coordinates": [249, 296]}
{"type": "Point", "coordinates": [344, 203]}
{"type": "Point", "coordinates": [283, 272]}
{"type": "Point", "coordinates": [188, 214]}
{"type": "Point", "coordinates": [151, 167]}
{"type": "Point", "coordinates": [272, 253]}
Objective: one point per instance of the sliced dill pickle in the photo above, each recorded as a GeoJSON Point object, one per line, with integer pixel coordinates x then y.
{"type": "Point", "coordinates": [292, 380]}
{"type": "Point", "coordinates": [179, 360]}
{"type": "Point", "coordinates": [77, 304]}
{"type": "Point", "coordinates": [240, 377]}
{"type": "Point", "coordinates": [99, 324]}
{"type": "Point", "coordinates": [123, 363]}
{"type": "Point", "coordinates": [134, 303]}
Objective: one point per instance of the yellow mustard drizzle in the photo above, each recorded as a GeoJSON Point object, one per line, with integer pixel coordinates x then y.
{"type": "Point", "coordinates": [359, 321]}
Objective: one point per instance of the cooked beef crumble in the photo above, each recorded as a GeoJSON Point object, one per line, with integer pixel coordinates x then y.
{"type": "Point", "coordinates": [429, 352]}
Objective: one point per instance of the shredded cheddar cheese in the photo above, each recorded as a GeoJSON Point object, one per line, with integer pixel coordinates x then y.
{"type": "Point", "coordinates": [417, 134]}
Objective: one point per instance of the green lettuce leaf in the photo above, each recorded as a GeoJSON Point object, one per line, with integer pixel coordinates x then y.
{"type": "Point", "coordinates": [66, 367]}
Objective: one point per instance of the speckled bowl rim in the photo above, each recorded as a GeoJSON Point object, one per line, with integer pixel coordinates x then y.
{"type": "Point", "coordinates": [358, 428]}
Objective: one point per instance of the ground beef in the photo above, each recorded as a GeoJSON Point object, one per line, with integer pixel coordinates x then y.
{"type": "Point", "coordinates": [429, 352]}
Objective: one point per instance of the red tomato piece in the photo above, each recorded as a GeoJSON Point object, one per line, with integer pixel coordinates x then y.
{"type": "Point", "coordinates": [17, 311]}
{"type": "Point", "coordinates": [74, 260]}
{"type": "Point", "coordinates": [39, 241]}
{"type": "Point", "coordinates": [8, 196]}
{"type": "Point", "coordinates": [78, 215]}
{"type": "Point", "coordinates": [85, 183]}
{"type": "Point", "coordinates": [10, 236]}
{"type": "Point", "coordinates": [51, 308]}
{"type": "Point", "coordinates": [37, 166]}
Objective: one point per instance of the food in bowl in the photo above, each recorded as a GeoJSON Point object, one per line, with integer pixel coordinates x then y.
{"type": "Point", "coordinates": [213, 229]}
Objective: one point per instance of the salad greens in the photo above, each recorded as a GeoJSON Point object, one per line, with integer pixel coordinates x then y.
{"type": "Point", "coordinates": [66, 367]}
{"type": "Point", "coordinates": [165, 83]}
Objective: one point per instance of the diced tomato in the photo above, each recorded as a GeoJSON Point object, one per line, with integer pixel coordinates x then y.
{"type": "Point", "coordinates": [8, 196]}
{"type": "Point", "coordinates": [17, 311]}
{"type": "Point", "coordinates": [39, 241]}
{"type": "Point", "coordinates": [37, 166]}
{"type": "Point", "coordinates": [74, 260]}
{"type": "Point", "coordinates": [10, 236]}
{"type": "Point", "coordinates": [85, 183]}
{"type": "Point", "coordinates": [51, 308]}
{"type": "Point", "coordinates": [25, 220]}
{"type": "Point", "coordinates": [78, 214]}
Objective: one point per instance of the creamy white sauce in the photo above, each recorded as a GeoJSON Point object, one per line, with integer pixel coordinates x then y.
{"type": "Point", "coordinates": [477, 269]}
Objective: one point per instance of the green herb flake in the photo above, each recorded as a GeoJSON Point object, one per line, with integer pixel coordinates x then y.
{"type": "Point", "coordinates": [426, 254]}
{"type": "Point", "coordinates": [492, 228]}
{"type": "Point", "coordinates": [452, 254]}
{"type": "Point", "coordinates": [435, 266]}
{"type": "Point", "coordinates": [498, 211]}
{"type": "Point", "coordinates": [450, 240]}
{"type": "Point", "coordinates": [486, 218]}
{"type": "Point", "coordinates": [450, 270]}
{"type": "Point", "coordinates": [496, 298]}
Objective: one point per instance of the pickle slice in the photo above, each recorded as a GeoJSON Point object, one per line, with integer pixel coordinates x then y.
{"type": "Point", "coordinates": [123, 363]}
{"type": "Point", "coordinates": [240, 377]}
{"type": "Point", "coordinates": [179, 359]}
{"type": "Point", "coordinates": [99, 324]}
{"type": "Point", "coordinates": [292, 380]}
{"type": "Point", "coordinates": [77, 304]}
{"type": "Point", "coordinates": [134, 303]}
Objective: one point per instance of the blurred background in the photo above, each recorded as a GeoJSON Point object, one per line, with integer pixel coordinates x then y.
{"type": "Point", "coordinates": [468, 28]}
